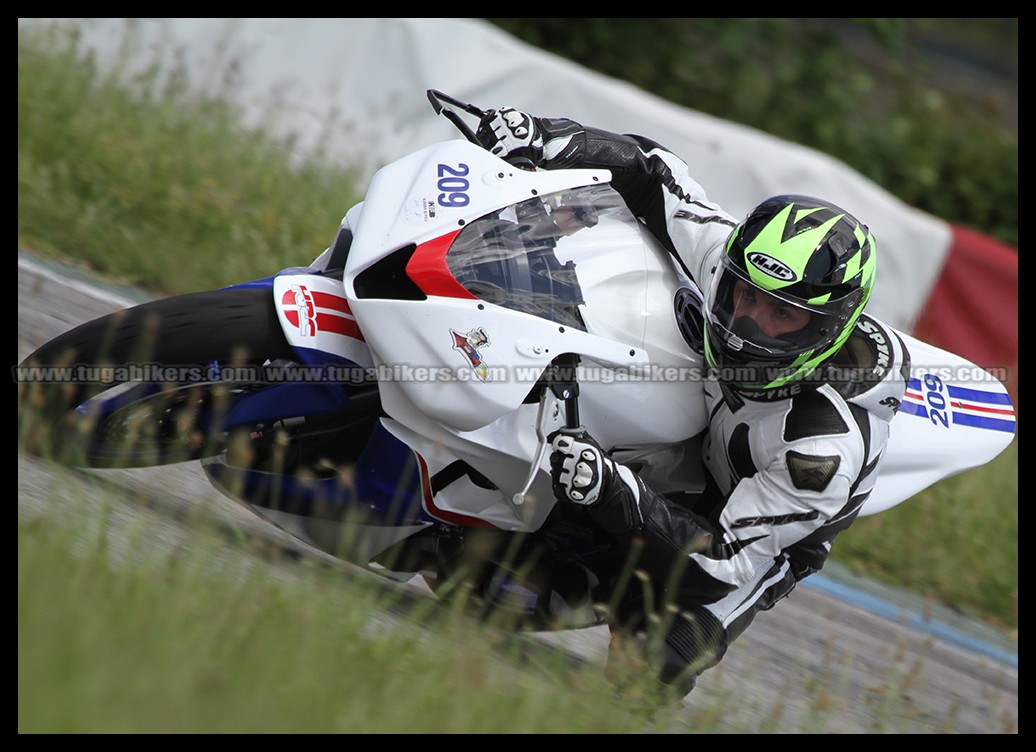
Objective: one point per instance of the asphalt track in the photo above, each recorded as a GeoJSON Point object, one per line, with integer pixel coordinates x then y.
{"type": "Point", "coordinates": [884, 661]}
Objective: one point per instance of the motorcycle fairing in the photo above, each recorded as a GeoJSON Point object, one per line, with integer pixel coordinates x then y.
{"type": "Point", "coordinates": [317, 320]}
{"type": "Point", "coordinates": [955, 416]}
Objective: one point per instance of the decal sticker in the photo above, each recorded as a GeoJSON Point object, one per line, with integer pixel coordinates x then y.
{"type": "Point", "coordinates": [314, 312]}
{"type": "Point", "coordinates": [468, 345]}
{"type": "Point", "coordinates": [419, 210]}
{"type": "Point", "coordinates": [769, 265]}
{"type": "Point", "coordinates": [947, 404]}
{"type": "Point", "coordinates": [454, 185]}
{"type": "Point", "coordinates": [304, 309]}
{"type": "Point", "coordinates": [453, 193]}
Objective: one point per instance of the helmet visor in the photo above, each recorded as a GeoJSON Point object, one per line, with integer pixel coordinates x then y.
{"type": "Point", "coordinates": [765, 326]}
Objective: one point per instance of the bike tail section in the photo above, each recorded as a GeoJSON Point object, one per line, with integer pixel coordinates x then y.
{"type": "Point", "coordinates": [955, 416]}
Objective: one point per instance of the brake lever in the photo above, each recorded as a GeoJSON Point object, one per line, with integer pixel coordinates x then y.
{"type": "Point", "coordinates": [565, 388]}
{"type": "Point", "coordinates": [541, 449]}
{"type": "Point", "coordinates": [437, 98]}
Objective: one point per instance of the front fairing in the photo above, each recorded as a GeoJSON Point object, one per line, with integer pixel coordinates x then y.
{"type": "Point", "coordinates": [468, 278]}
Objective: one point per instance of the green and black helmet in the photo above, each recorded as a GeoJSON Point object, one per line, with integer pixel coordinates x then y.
{"type": "Point", "coordinates": [793, 280]}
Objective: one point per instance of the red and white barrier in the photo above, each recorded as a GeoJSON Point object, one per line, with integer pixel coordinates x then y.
{"type": "Point", "coordinates": [973, 306]}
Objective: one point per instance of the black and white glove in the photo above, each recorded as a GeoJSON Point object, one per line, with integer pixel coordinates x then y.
{"type": "Point", "coordinates": [579, 468]}
{"type": "Point", "coordinates": [583, 473]}
{"type": "Point", "coordinates": [511, 134]}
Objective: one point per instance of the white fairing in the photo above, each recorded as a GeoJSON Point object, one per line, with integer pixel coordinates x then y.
{"type": "Point", "coordinates": [455, 369]}
{"type": "Point", "coordinates": [467, 281]}
{"type": "Point", "coordinates": [315, 315]}
{"type": "Point", "coordinates": [955, 416]}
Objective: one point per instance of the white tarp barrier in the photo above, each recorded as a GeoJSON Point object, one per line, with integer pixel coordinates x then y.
{"type": "Point", "coordinates": [357, 86]}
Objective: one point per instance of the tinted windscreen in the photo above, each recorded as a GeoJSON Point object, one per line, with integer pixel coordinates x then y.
{"type": "Point", "coordinates": [511, 257]}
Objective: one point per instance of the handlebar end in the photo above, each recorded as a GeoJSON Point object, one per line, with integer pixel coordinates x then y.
{"type": "Point", "coordinates": [434, 97]}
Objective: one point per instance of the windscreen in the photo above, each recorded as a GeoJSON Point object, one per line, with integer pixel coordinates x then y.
{"type": "Point", "coordinates": [521, 257]}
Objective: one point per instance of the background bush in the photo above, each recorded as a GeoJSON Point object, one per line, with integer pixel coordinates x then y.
{"type": "Point", "coordinates": [884, 95]}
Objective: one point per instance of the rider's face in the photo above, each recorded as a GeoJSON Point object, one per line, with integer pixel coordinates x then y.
{"type": "Point", "coordinates": [773, 316]}
{"type": "Point", "coordinates": [567, 220]}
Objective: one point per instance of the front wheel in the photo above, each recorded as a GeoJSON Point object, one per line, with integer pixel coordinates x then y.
{"type": "Point", "coordinates": [143, 386]}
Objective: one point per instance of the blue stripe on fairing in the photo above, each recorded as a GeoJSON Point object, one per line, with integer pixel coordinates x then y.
{"type": "Point", "coordinates": [912, 408]}
{"type": "Point", "coordinates": [979, 395]}
{"type": "Point", "coordinates": [982, 421]}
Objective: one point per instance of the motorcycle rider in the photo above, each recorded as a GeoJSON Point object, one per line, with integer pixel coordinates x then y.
{"type": "Point", "coordinates": [801, 390]}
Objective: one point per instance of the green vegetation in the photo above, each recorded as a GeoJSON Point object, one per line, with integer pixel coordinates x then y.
{"type": "Point", "coordinates": [860, 89]}
{"type": "Point", "coordinates": [159, 189]}
{"type": "Point", "coordinates": [213, 638]}
{"type": "Point", "coordinates": [956, 543]}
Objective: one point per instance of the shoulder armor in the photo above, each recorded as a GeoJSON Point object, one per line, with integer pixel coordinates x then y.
{"type": "Point", "coordinates": [812, 414]}
{"type": "Point", "coordinates": [872, 369]}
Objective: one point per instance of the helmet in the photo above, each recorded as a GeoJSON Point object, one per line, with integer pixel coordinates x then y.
{"type": "Point", "coordinates": [793, 280]}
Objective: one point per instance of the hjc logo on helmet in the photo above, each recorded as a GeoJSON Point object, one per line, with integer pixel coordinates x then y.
{"type": "Point", "coordinates": [770, 266]}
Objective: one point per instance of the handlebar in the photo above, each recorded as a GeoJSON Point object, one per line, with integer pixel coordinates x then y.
{"type": "Point", "coordinates": [437, 98]}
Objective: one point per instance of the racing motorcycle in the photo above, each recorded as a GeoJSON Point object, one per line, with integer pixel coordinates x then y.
{"type": "Point", "coordinates": [391, 406]}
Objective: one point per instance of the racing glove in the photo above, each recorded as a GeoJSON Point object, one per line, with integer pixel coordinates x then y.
{"type": "Point", "coordinates": [509, 133]}
{"type": "Point", "coordinates": [582, 473]}
{"type": "Point", "coordinates": [623, 506]}
{"type": "Point", "coordinates": [516, 136]}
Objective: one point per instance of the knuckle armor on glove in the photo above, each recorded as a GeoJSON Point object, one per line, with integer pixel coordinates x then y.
{"type": "Point", "coordinates": [582, 473]}
{"type": "Point", "coordinates": [508, 132]}
{"type": "Point", "coordinates": [579, 469]}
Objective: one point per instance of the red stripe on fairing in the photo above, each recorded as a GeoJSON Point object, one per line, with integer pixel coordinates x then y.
{"type": "Point", "coordinates": [334, 302]}
{"type": "Point", "coordinates": [347, 327]}
{"type": "Point", "coordinates": [441, 514]}
{"type": "Point", "coordinates": [981, 408]}
{"type": "Point", "coordinates": [427, 268]}
{"type": "Point", "coordinates": [958, 405]}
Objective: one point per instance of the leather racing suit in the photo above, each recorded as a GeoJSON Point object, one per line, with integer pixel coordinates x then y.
{"type": "Point", "coordinates": [788, 468]}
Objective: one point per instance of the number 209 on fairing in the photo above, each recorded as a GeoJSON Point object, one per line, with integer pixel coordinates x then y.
{"type": "Point", "coordinates": [454, 185]}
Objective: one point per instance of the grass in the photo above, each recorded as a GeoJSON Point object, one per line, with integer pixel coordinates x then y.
{"type": "Point", "coordinates": [206, 638]}
{"type": "Point", "coordinates": [955, 543]}
{"type": "Point", "coordinates": [129, 623]}
{"type": "Point", "coordinates": [155, 188]}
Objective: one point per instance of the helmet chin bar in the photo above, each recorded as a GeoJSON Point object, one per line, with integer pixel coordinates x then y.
{"type": "Point", "coordinates": [746, 330]}
{"type": "Point", "coordinates": [744, 366]}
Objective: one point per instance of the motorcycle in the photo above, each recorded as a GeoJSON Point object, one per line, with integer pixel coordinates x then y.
{"type": "Point", "coordinates": [392, 406]}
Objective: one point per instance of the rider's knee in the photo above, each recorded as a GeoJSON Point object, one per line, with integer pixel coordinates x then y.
{"type": "Point", "coordinates": [675, 671]}
{"type": "Point", "coordinates": [695, 642]}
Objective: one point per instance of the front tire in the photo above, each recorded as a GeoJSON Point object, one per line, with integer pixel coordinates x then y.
{"type": "Point", "coordinates": [195, 331]}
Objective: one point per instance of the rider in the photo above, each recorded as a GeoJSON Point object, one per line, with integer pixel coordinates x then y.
{"type": "Point", "coordinates": [801, 390]}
